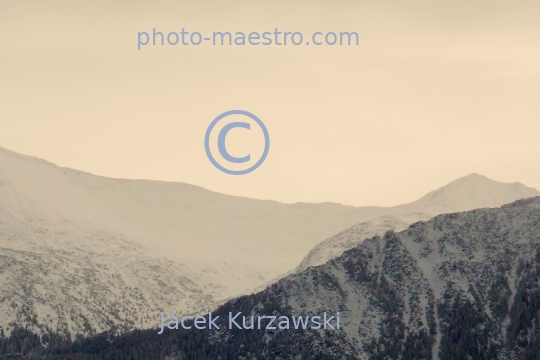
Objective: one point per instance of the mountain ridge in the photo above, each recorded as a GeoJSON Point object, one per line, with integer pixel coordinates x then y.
{"type": "Point", "coordinates": [459, 286]}
{"type": "Point", "coordinates": [469, 192]}
{"type": "Point", "coordinates": [94, 240]}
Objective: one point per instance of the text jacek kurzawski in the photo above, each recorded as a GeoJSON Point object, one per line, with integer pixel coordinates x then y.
{"type": "Point", "coordinates": [242, 322]}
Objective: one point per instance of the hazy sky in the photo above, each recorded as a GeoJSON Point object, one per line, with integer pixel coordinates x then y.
{"type": "Point", "coordinates": [435, 90]}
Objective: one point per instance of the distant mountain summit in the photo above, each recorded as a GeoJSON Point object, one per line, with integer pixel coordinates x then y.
{"type": "Point", "coordinates": [470, 192]}
{"type": "Point", "coordinates": [467, 193]}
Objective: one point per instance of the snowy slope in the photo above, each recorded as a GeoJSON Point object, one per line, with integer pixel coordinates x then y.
{"type": "Point", "coordinates": [460, 286]}
{"type": "Point", "coordinates": [470, 192]}
{"type": "Point", "coordinates": [85, 253]}
{"type": "Point", "coordinates": [350, 238]}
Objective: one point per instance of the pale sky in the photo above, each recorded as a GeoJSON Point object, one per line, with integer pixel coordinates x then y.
{"type": "Point", "coordinates": [435, 91]}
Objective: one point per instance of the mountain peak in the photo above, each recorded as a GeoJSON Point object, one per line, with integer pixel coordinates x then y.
{"type": "Point", "coordinates": [474, 191]}
{"type": "Point", "coordinates": [475, 177]}
{"type": "Point", "coordinates": [467, 193]}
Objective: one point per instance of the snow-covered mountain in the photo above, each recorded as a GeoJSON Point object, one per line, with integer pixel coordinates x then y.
{"type": "Point", "coordinates": [470, 192]}
{"type": "Point", "coordinates": [467, 193]}
{"type": "Point", "coordinates": [83, 253]}
{"type": "Point", "coordinates": [460, 286]}
{"type": "Point", "coordinates": [345, 240]}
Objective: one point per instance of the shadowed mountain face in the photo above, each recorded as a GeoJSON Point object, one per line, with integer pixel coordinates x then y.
{"type": "Point", "coordinates": [456, 287]}
{"type": "Point", "coordinates": [460, 286]}
{"type": "Point", "coordinates": [83, 253]}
